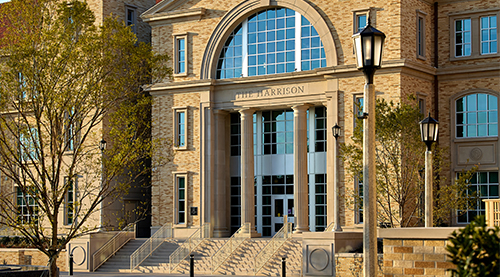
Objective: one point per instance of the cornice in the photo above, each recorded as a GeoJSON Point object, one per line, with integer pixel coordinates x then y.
{"type": "Point", "coordinates": [471, 71]}
{"type": "Point", "coordinates": [166, 17]}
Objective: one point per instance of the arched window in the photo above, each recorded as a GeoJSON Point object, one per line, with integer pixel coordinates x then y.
{"type": "Point", "coordinates": [477, 116]}
{"type": "Point", "coordinates": [273, 41]}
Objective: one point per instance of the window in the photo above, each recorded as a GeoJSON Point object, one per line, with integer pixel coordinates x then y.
{"type": "Point", "coordinates": [485, 184]}
{"type": "Point", "coordinates": [420, 35]}
{"type": "Point", "coordinates": [359, 201]}
{"type": "Point", "coordinates": [477, 116]}
{"type": "Point", "coordinates": [360, 22]}
{"type": "Point", "coordinates": [358, 109]}
{"type": "Point", "coordinates": [180, 49]}
{"type": "Point", "coordinates": [69, 201]}
{"type": "Point", "coordinates": [27, 206]}
{"type": "Point", "coordinates": [421, 105]}
{"type": "Point", "coordinates": [277, 129]}
{"type": "Point", "coordinates": [474, 35]}
{"type": "Point", "coordinates": [462, 38]}
{"type": "Point", "coordinates": [28, 142]}
{"type": "Point", "coordinates": [236, 204]}
{"type": "Point", "coordinates": [70, 131]}
{"type": "Point", "coordinates": [273, 41]}
{"type": "Point", "coordinates": [320, 202]}
{"type": "Point", "coordinates": [180, 127]}
{"type": "Point", "coordinates": [321, 132]}
{"type": "Point", "coordinates": [180, 199]}
{"type": "Point", "coordinates": [488, 35]}
{"type": "Point", "coordinates": [236, 134]}
{"type": "Point", "coordinates": [131, 19]}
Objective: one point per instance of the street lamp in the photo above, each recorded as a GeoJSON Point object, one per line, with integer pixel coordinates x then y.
{"type": "Point", "coordinates": [368, 45]}
{"type": "Point", "coordinates": [102, 147]}
{"type": "Point", "coordinates": [336, 189]}
{"type": "Point", "coordinates": [429, 132]}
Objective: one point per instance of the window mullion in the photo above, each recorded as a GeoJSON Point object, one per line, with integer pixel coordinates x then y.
{"type": "Point", "coordinates": [244, 49]}
{"type": "Point", "coordinates": [297, 41]}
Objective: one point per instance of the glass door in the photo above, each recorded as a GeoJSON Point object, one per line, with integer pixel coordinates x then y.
{"type": "Point", "coordinates": [282, 205]}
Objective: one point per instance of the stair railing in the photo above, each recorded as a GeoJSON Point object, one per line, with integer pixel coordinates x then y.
{"type": "Point", "coordinates": [272, 246]}
{"type": "Point", "coordinates": [243, 233]}
{"type": "Point", "coordinates": [188, 246]}
{"type": "Point", "coordinates": [112, 246]}
{"type": "Point", "coordinates": [150, 245]}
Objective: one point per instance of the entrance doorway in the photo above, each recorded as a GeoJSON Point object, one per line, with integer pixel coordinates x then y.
{"type": "Point", "coordinates": [282, 205]}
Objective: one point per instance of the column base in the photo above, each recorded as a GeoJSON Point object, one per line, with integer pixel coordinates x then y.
{"type": "Point", "coordinates": [301, 230]}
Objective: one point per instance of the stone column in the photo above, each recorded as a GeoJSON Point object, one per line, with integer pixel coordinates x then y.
{"type": "Point", "coordinates": [221, 172]}
{"type": "Point", "coordinates": [300, 168]}
{"type": "Point", "coordinates": [247, 169]}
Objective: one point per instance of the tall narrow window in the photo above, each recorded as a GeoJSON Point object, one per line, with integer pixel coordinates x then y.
{"type": "Point", "coordinates": [489, 35]}
{"type": "Point", "coordinates": [28, 141]}
{"type": "Point", "coordinates": [69, 211]}
{"type": "Point", "coordinates": [131, 19]}
{"type": "Point", "coordinates": [27, 206]}
{"type": "Point", "coordinates": [180, 127]}
{"type": "Point", "coordinates": [420, 36]}
{"type": "Point", "coordinates": [70, 131]}
{"type": "Point", "coordinates": [462, 37]}
{"type": "Point", "coordinates": [277, 127]}
{"type": "Point", "coordinates": [321, 132]}
{"type": "Point", "coordinates": [181, 53]}
{"type": "Point", "coordinates": [181, 199]}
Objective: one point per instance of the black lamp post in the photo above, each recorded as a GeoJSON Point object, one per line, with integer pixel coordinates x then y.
{"type": "Point", "coordinates": [429, 132]}
{"type": "Point", "coordinates": [336, 189]}
{"type": "Point", "coordinates": [102, 147]}
{"type": "Point", "coordinates": [368, 45]}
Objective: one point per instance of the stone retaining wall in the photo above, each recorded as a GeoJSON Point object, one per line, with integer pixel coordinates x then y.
{"type": "Point", "coordinates": [28, 256]}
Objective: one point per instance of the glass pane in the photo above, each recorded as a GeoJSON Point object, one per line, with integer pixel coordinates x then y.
{"type": "Point", "coordinates": [471, 131]}
{"type": "Point", "coordinates": [493, 129]}
{"type": "Point", "coordinates": [482, 117]}
{"type": "Point", "coordinates": [471, 118]}
{"type": "Point", "coordinates": [460, 105]}
{"type": "Point", "coordinates": [471, 102]}
{"type": "Point", "coordinates": [460, 118]}
{"type": "Point", "coordinates": [493, 190]}
{"type": "Point", "coordinates": [492, 102]}
{"type": "Point", "coordinates": [482, 130]}
{"type": "Point", "coordinates": [482, 102]}
{"type": "Point", "coordinates": [493, 177]}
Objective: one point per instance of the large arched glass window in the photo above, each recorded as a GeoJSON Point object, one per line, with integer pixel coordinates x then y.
{"type": "Point", "coordinates": [273, 41]}
{"type": "Point", "coordinates": [477, 116]}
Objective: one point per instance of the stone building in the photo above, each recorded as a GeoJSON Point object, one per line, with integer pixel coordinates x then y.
{"type": "Point", "coordinates": [258, 85]}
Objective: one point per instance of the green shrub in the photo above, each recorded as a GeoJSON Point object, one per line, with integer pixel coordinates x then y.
{"type": "Point", "coordinates": [475, 250]}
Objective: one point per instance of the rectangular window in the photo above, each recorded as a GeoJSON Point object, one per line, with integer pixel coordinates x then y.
{"type": "Point", "coordinates": [28, 141]}
{"type": "Point", "coordinates": [488, 35]}
{"type": "Point", "coordinates": [235, 134]}
{"type": "Point", "coordinates": [236, 205]}
{"type": "Point", "coordinates": [359, 202]}
{"type": "Point", "coordinates": [131, 19]}
{"type": "Point", "coordinates": [462, 37]}
{"type": "Point", "coordinates": [361, 21]}
{"type": "Point", "coordinates": [420, 36]}
{"type": "Point", "coordinates": [321, 132]}
{"type": "Point", "coordinates": [70, 132]}
{"type": "Point", "coordinates": [69, 203]}
{"type": "Point", "coordinates": [277, 129]}
{"type": "Point", "coordinates": [180, 127]}
{"type": "Point", "coordinates": [421, 105]}
{"type": "Point", "coordinates": [181, 53]}
{"type": "Point", "coordinates": [180, 204]}
{"type": "Point", "coordinates": [485, 184]}
{"type": "Point", "coordinates": [27, 206]}
{"type": "Point", "coordinates": [358, 109]}
{"type": "Point", "coordinates": [320, 201]}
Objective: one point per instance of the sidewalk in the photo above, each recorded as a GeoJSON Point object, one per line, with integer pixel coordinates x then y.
{"type": "Point", "coordinates": [120, 274]}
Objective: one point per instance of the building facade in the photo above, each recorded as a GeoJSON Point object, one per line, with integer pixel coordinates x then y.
{"type": "Point", "coordinates": [258, 85]}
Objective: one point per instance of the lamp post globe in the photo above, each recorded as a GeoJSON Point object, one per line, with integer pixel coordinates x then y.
{"type": "Point", "coordinates": [429, 131]}
{"type": "Point", "coordinates": [368, 45]}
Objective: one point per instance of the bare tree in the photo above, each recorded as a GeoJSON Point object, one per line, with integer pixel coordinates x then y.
{"type": "Point", "coordinates": [66, 83]}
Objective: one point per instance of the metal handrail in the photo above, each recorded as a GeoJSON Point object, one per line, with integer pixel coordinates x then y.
{"type": "Point", "coordinates": [329, 228]}
{"type": "Point", "coordinates": [243, 233]}
{"type": "Point", "coordinates": [150, 245]}
{"type": "Point", "coordinates": [188, 246]}
{"type": "Point", "coordinates": [112, 246]}
{"type": "Point", "coordinates": [272, 246]}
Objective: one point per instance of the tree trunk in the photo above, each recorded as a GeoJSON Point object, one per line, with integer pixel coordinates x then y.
{"type": "Point", "coordinates": [54, 272]}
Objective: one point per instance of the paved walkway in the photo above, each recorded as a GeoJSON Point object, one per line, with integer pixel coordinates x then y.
{"type": "Point", "coordinates": [123, 274]}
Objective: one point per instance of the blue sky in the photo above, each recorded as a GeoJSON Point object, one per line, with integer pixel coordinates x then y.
{"type": "Point", "coordinates": [3, 1]}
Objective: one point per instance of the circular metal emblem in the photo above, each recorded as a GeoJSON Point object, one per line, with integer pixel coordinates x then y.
{"type": "Point", "coordinates": [319, 259]}
{"type": "Point", "coordinates": [476, 154]}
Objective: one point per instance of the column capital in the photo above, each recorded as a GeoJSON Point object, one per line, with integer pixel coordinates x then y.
{"type": "Point", "coordinates": [301, 107]}
{"type": "Point", "coordinates": [247, 111]}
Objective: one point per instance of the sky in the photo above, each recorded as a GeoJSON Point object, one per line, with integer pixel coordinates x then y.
{"type": "Point", "coordinates": [3, 1]}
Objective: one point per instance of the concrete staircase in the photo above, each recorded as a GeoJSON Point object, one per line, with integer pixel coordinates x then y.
{"type": "Point", "coordinates": [121, 260]}
{"type": "Point", "coordinates": [158, 262]}
{"type": "Point", "coordinates": [241, 262]}
{"type": "Point", "coordinates": [292, 251]}
{"type": "Point", "coordinates": [202, 257]}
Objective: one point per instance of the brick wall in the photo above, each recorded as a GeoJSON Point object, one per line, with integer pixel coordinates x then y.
{"type": "Point", "coordinates": [351, 264]}
{"type": "Point", "coordinates": [30, 257]}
